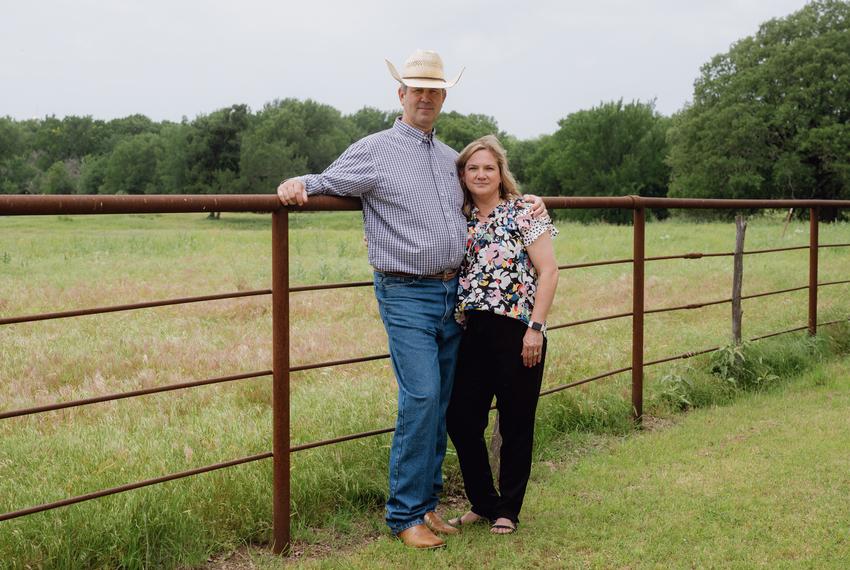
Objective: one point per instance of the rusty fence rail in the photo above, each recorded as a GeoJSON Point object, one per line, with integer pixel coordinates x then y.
{"type": "Point", "coordinates": [281, 290]}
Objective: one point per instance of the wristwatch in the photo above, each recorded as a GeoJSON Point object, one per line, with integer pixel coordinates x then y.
{"type": "Point", "coordinates": [537, 326]}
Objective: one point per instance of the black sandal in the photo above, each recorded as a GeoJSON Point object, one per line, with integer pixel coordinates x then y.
{"type": "Point", "coordinates": [511, 528]}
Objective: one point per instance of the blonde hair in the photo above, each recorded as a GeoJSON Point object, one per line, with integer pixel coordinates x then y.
{"type": "Point", "coordinates": [507, 187]}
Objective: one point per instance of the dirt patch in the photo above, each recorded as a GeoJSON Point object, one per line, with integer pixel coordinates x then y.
{"type": "Point", "coordinates": [652, 423]}
{"type": "Point", "coordinates": [327, 543]}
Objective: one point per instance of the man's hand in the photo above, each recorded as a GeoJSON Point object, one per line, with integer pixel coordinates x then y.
{"type": "Point", "coordinates": [538, 208]}
{"type": "Point", "coordinates": [291, 192]}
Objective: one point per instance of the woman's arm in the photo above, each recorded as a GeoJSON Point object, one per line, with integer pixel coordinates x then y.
{"type": "Point", "coordinates": [542, 255]}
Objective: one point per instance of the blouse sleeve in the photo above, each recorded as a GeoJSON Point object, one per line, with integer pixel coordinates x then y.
{"type": "Point", "coordinates": [531, 228]}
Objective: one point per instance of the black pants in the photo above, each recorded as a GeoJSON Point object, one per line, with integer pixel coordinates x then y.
{"type": "Point", "coordinates": [490, 364]}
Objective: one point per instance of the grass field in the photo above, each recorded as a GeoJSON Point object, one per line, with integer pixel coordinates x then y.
{"type": "Point", "coordinates": [61, 263]}
{"type": "Point", "coordinates": [760, 484]}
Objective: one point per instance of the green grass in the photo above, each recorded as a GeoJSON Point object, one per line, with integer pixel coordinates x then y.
{"type": "Point", "coordinates": [52, 264]}
{"type": "Point", "coordinates": [760, 484]}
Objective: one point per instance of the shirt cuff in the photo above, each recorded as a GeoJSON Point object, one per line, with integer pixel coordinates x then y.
{"type": "Point", "coordinates": [312, 183]}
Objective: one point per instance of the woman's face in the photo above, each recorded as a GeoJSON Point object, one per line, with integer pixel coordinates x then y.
{"type": "Point", "coordinates": [481, 175]}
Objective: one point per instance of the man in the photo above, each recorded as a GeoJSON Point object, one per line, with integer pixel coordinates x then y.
{"type": "Point", "coordinates": [416, 233]}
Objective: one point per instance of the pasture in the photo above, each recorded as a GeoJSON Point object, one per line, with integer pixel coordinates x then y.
{"type": "Point", "coordinates": [61, 263]}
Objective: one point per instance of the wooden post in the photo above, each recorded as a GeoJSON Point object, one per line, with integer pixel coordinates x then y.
{"type": "Point", "coordinates": [638, 247]}
{"type": "Point", "coordinates": [787, 221]}
{"type": "Point", "coordinates": [814, 215]}
{"type": "Point", "coordinates": [738, 278]}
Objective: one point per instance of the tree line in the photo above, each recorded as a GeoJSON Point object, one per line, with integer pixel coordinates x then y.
{"type": "Point", "coordinates": [768, 119]}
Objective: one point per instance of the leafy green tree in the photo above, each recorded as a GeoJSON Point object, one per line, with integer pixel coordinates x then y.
{"type": "Point", "coordinates": [93, 174]}
{"type": "Point", "coordinates": [173, 166]}
{"type": "Point", "coordinates": [614, 149]}
{"type": "Point", "coordinates": [17, 172]}
{"type": "Point", "coordinates": [18, 175]}
{"type": "Point", "coordinates": [69, 138]}
{"type": "Point", "coordinates": [458, 130]}
{"type": "Point", "coordinates": [369, 120]}
{"type": "Point", "coordinates": [58, 180]}
{"type": "Point", "coordinates": [11, 139]}
{"type": "Point", "coordinates": [520, 156]}
{"type": "Point", "coordinates": [126, 127]}
{"type": "Point", "coordinates": [771, 117]}
{"type": "Point", "coordinates": [132, 166]}
{"type": "Point", "coordinates": [214, 147]}
{"type": "Point", "coordinates": [292, 137]}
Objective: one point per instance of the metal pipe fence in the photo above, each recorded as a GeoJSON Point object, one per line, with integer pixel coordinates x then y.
{"type": "Point", "coordinates": [281, 290]}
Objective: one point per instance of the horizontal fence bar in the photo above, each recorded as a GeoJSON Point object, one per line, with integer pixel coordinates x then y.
{"type": "Point", "coordinates": [691, 354]}
{"type": "Point", "coordinates": [835, 322]}
{"type": "Point", "coordinates": [833, 283]}
{"type": "Point", "coordinates": [131, 394]}
{"type": "Point", "coordinates": [795, 329]}
{"type": "Point", "coordinates": [585, 381]}
{"type": "Point", "coordinates": [238, 294]}
{"type": "Point", "coordinates": [751, 296]}
{"type": "Point", "coordinates": [687, 307]}
{"type": "Point", "coordinates": [692, 255]}
{"type": "Point", "coordinates": [350, 437]}
{"type": "Point", "coordinates": [328, 364]}
{"type": "Point", "coordinates": [330, 286]}
{"type": "Point", "coordinates": [322, 443]}
{"type": "Point", "coordinates": [768, 293]}
{"type": "Point", "coordinates": [834, 245]}
{"type": "Point", "coordinates": [18, 205]}
{"type": "Point", "coordinates": [130, 307]}
{"type": "Point", "coordinates": [586, 321]}
{"type": "Point", "coordinates": [337, 362]}
{"type": "Point", "coordinates": [729, 204]}
{"type": "Point", "coordinates": [684, 355]}
{"type": "Point", "coordinates": [595, 263]}
{"type": "Point", "coordinates": [325, 442]}
{"type": "Point", "coordinates": [132, 486]}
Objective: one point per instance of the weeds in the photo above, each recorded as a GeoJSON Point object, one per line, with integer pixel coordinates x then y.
{"type": "Point", "coordinates": [750, 367]}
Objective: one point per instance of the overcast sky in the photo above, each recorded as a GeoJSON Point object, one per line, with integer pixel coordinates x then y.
{"type": "Point", "coordinates": [527, 64]}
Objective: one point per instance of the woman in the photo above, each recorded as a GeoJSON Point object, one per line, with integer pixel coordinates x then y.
{"type": "Point", "coordinates": [507, 283]}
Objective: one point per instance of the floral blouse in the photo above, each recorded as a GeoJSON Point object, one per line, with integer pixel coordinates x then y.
{"type": "Point", "coordinates": [497, 274]}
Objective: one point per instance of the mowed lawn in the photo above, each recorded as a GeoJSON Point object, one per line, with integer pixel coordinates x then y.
{"type": "Point", "coordinates": [62, 263]}
{"type": "Point", "coordinates": [762, 483]}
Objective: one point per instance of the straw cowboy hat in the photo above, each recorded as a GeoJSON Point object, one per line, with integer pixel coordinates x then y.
{"type": "Point", "coordinates": [424, 68]}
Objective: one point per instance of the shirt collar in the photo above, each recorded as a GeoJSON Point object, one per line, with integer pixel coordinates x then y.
{"type": "Point", "coordinates": [406, 130]}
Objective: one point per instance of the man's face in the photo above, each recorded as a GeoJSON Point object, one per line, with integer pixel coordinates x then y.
{"type": "Point", "coordinates": [421, 106]}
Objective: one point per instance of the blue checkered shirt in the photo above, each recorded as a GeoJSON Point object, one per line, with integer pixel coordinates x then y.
{"type": "Point", "coordinates": [408, 183]}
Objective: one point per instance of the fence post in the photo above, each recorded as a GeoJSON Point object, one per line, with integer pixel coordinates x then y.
{"type": "Point", "coordinates": [738, 278]}
{"type": "Point", "coordinates": [280, 386]}
{"type": "Point", "coordinates": [814, 215]}
{"type": "Point", "coordinates": [637, 313]}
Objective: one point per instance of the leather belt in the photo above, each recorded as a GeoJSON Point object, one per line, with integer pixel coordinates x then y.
{"type": "Point", "coordinates": [445, 275]}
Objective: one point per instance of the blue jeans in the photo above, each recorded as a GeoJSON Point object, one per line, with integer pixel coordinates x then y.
{"type": "Point", "coordinates": [418, 315]}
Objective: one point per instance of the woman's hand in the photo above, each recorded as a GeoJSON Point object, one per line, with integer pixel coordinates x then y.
{"type": "Point", "coordinates": [532, 348]}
